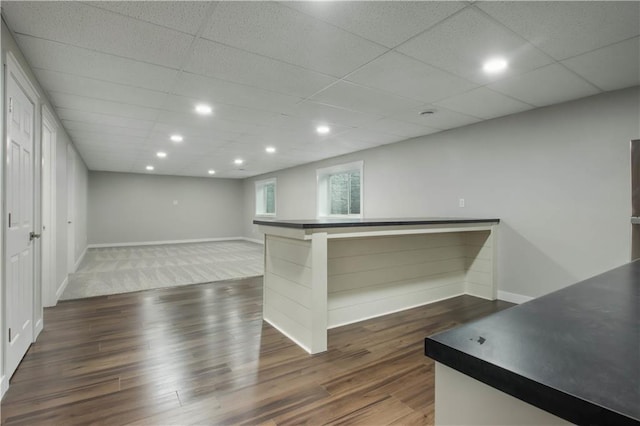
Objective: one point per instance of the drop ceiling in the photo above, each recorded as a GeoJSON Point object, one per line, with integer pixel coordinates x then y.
{"type": "Point", "coordinates": [124, 76]}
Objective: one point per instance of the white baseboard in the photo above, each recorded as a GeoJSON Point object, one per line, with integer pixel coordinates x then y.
{"type": "Point", "coordinates": [253, 240]}
{"type": "Point", "coordinates": [79, 261]}
{"type": "Point", "coordinates": [4, 386]}
{"type": "Point", "coordinates": [62, 287]}
{"type": "Point", "coordinates": [163, 242]}
{"type": "Point", "coordinates": [513, 297]}
{"type": "Point", "coordinates": [37, 329]}
{"type": "Point", "coordinates": [296, 341]}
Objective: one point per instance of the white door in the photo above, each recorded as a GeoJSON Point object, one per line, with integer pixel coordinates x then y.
{"type": "Point", "coordinates": [19, 222]}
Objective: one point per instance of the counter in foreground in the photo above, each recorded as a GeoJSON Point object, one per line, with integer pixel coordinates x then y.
{"type": "Point", "coordinates": [574, 353]}
{"type": "Point", "coordinates": [321, 274]}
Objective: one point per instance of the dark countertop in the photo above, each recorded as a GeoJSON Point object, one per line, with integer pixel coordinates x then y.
{"type": "Point", "coordinates": [574, 353]}
{"type": "Point", "coordinates": [350, 223]}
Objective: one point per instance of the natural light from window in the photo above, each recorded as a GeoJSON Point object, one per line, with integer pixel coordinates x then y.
{"type": "Point", "coordinates": [266, 197]}
{"type": "Point", "coordinates": [340, 190]}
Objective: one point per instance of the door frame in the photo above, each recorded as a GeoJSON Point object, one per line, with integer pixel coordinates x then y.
{"type": "Point", "coordinates": [71, 209]}
{"type": "Point", "coordinates": [49, 278]}
{"type": "Point", "coordinates": [12, 66]}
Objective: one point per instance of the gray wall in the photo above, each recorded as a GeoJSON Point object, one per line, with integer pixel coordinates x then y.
{"type": "Point", "coordinates": [133, 208]}
{"type": "Point", "coordinates": [558, 177]}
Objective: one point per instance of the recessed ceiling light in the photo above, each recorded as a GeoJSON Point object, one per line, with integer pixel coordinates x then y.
{"type": "Point", "coordinates": [149, 167]}
{"type": "Point", "coordinates": [161, 154]}
{"type": "Point", "coordinates": [323, 130]}
{"type": "Point", "coordinates": [495, 65]}
{"type": "Point", "coordinates": [238, 161]}
{"type": "Point", "coordinates": [212, 172]}
{"type": "Point", "coordinates": [177, 138]}
{"type": "Point", "coordinates": [270, 149]}
{"type": "Point", "coordinates": [204, 109]}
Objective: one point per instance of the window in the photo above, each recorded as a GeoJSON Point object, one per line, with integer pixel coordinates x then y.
{"type": "Point", "coordinates": [340, 190]}
{"type": "Point", "coordinates": [266, 197]}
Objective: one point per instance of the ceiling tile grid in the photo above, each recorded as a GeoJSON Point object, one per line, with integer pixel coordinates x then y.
{"type": "Point", "coordinates": [279, 32]}
{"type": "Point", "coordinates": [563, 29]}
{"type": "Point", "coordinates": [462, 43]}
{"type": "Point", "coordinates": [85, 26]}
{"type": "Point", "coordinates": [125, 76]}
{"type": "Point", "coordinates": [383, 22]}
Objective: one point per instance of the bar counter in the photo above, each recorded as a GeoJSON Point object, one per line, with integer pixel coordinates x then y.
{"type": "Point", "coordinates": [321, 274]}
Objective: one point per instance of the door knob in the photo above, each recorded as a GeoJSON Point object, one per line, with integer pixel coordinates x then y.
{"type": "Point", "coordinates": [33, 236]}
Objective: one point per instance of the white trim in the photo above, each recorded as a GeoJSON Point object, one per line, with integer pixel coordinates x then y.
{"type": "Point", "coordinates": [397, 310]}
{"type": "Point", "coordinates": [296, 341]}
{"type": "Point", "coordinates": [71, 206]}
{"type": "Point", "coordinates": [24, 81]}
{"type": "Point", "coordinates": [62, 288]}
{"type": "Point", "coordinates": [37, 329]}
{"type": "Point", "coordinates": [513, 297]}
{"type": "Point", "coordinates": [253, 240]}
{"type": "Point", "coordinates": [163, 242]}
{"type": "Point", "coordinates": [49, 252]}
{"type": "Point", "coordinates": [79, 261]}
{"type": "Point", "coordinates": [4, 386]}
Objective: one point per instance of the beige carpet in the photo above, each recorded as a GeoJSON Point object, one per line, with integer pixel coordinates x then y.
{"type": "Point", "coordinates": [125, 269]}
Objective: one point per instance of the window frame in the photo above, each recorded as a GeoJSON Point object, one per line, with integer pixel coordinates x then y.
{"type": "Point", "coordinates": [261, 199]}
{"type": "Point", "coordinates": [323, 207]}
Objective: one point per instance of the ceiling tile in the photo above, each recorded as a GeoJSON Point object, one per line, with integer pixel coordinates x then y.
{"type": "Point", "coordinates": [103, 119]}
{"type": "Point", "coordinates": [597, 65]}
{"type": "Point", "coordinates": [289, 134]}
{"type": "Point", "coordinates": [318, 114]}
{"type": "Point", "coordinates": [226, 63]}
{"type": "Point", "coordinates": [185, 16]}
{"type": "Point", "coordinates": [359, 98]}
{"type": "Point", "coordinates": [72, 84]}
{"type": "Point", "coordinates": [266, 28]}
{"type": "Point", "coordinates": [81, 25]}
{"type": "Point", "coordinates": [226, 92]}
{"type": "Point", "coordinates": [301, 126]}
{"type": "Point", "coordinates": [98, 128]}
{"type": "Point", "coordinates": [464, 42]}
{"type": "Point", "coordinates": [86, 138]}
{"type": "Point", "coordinates": [442, 118]}
{"type": "Point", "coordinates": [190, 142]}
{"type": "Point", "coordinates": [365, 138]}
{"type": "Point", "coordinates": [545, 86]}
{"type": "Point", "coordinates": [216, 128]}
{"type": "Point", "coordinates": [564, 28]}
{"type": "Point", "coordinates": [399, 128]}
{"type": "Point", "coordinates": [221, 111]}
{"type": "Point", "coordinates": [483, 102]}
{"type": "Point", "coordinates": [399, 74]}
{"type": "Point", "coordinates": [194, 139]}
{"type": "Point", "coordinates": [83, 62]}
{"type": "Point", "coordinates": [66, 100]}
{"type": "Point", "coordinates": [387, 23]}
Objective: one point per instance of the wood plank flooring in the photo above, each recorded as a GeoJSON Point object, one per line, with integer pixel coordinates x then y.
{"type": "Point", "coordinates": [202, 355]}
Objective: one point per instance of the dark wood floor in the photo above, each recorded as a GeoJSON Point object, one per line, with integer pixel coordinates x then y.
{"type": "Point", "coordinates": [202, 354]}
